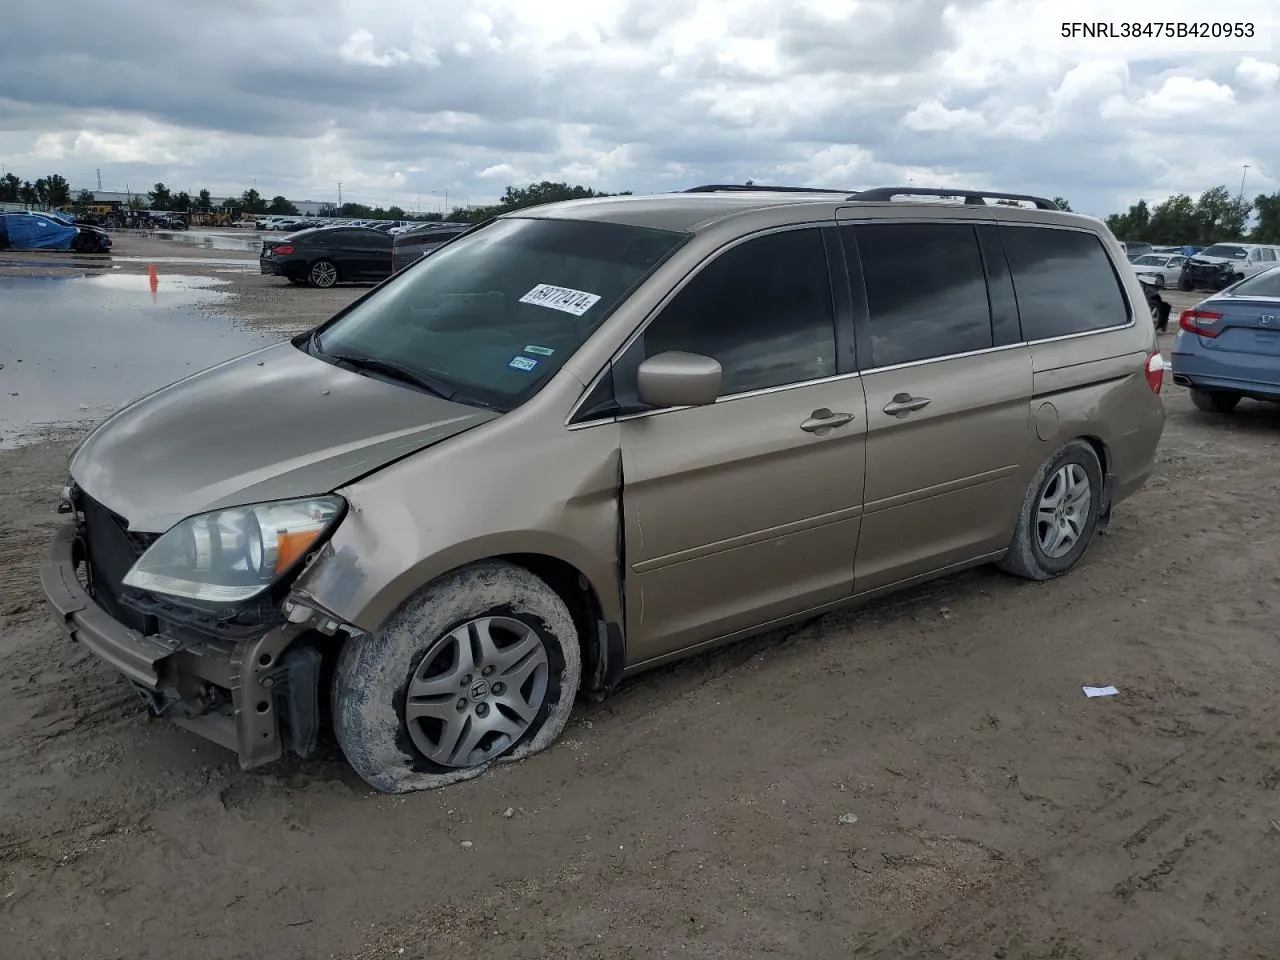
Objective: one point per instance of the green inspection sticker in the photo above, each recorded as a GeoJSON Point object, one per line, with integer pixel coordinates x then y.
{"type": "Point", "coordinates": [541, 351]}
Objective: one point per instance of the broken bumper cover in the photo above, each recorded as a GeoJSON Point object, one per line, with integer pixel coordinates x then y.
{"type": "Point", "coordinates": [268, 688]}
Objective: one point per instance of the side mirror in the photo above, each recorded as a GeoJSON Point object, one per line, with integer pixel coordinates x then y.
{"type": "Point", "coordinates": [676, 379]}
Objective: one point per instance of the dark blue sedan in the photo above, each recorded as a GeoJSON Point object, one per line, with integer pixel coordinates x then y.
{"type": "Point", "coordinates": [1228, 346]}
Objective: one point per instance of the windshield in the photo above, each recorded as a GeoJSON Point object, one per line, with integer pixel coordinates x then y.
{"type": "Point", "coordinates": [1226, 251]}
{"type": "Point", "coordinates": [1265, 284]}
{"type": "Point", "coordinates": [493, 315]}
{"type": "Point", "coordinates": [1151, 261]}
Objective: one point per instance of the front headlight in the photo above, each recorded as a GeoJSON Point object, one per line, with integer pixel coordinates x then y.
{"type": "Point", "coordinates": [229, 556]}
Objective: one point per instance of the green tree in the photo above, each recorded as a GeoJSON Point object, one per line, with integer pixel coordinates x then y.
{"type": "Point", "coordinates": [518, 198]}
{"type": "Point", "coordinates": [182, 201]}
{"type": "Point", "coordinates": [1268, 228]}
{"type": "Point", "coordinates": [10, 187]}
{"type": "Point", "coordinates": [252, 202]}
{"type": "Point", "coordinates": [160, 197]}
{"type": "Point", "coordinates": [27, 194]}
{"type": "Point", "coordinates": [355, 211]}
{"type": "Point", "coordinates": [1220, 216]}
{"type": "Point", "coordinates": [281, 205]}
{"type": "Point", "coordinates": [136, 203]}
{"type": "Point", "coordinates": [231, 203]}
{"type": "Point", "coordinates": [395, 213]}
{"type": "Point", "coordinates": [204, 201]}
{"type": "Point", "coordinates": [57, 192]}
{"type": "Point", "coordinates": [1174, 221]}
{"type": "Point", "coordinates": [1132, 226]}
{"type": "Point", "coordinates": [84, 198]}
{"type": "Point", "coordinates": [1062, 204]}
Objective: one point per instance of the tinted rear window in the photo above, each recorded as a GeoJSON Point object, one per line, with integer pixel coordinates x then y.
{"type": "Point", "coordinates": [1266, 284]}
{"type": "Point", "coordinates": [926, 290]}
{"type": "Point", "coordinates": [1064, 281]}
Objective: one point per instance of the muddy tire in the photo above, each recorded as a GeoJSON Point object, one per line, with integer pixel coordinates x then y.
{"type": "Point", "coordinates": [322, 274]}
{"type": "Point", "coordinates": [1059, 517]}
{"type": "Point", "coordinates": [1214, 401]}
{"type": "Point", "coordinates": [422, 703]}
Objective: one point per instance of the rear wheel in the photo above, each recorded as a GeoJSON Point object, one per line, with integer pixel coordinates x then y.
{"type": "Point", "coordinates": [1059, 515]}
{"type": "Point", "coordinates": [322, 274]}
{"type": "Point", "coordinates": [481, 665]}
{"type": "Point", "coordinates": [1214, 401]}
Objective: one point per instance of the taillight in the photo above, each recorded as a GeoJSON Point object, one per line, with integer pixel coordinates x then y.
{"type": "Point", "coordinates": [283, 250]}
{"type": "Point", "coordinates": [1200, 322]}
{"type": "Point", "coordinates": [1155, 371]}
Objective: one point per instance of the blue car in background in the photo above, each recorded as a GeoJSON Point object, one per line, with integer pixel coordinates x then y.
{"type": "Point", "coordinates": [1228, 347]}
{"type": "Point", "coordinates": [50, 231]}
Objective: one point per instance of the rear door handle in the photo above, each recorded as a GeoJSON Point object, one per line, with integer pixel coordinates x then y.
{"type": "Point", "coordinates": [904, 403]}
{"type": "Point", "coordinates": [824, 419]}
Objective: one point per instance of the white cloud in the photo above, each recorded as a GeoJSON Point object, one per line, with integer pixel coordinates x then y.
{"type": "Point", "coordinates": [400, 102]}
{"type": "Point", "coordinates": [1259, 74]}
{"type": "Point", "coordinates": [932, 117]}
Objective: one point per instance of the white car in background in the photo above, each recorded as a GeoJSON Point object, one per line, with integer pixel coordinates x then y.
{"type": "Point", "coordinates": [1163, 268]}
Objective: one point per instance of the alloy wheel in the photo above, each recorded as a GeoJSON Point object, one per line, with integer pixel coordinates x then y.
{"type": "Point", "coordinates": [1063, 510]}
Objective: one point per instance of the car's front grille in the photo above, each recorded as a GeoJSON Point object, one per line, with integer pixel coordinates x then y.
{"type": "Point", "coordinates": [110, 550]}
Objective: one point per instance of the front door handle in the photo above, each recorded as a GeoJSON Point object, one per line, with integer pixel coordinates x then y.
{"type": "Point", "coordinates": [904, 403]}
{"type": "Point", "coordinates": [824, 419]}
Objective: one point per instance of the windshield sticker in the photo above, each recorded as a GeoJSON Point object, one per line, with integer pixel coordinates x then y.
{"type": "Point", "coordinates": [522, 363]}
{"type": "Point", "coordinates": [564, 299]}
{"type": "Point", "coordinates": [540, 351]}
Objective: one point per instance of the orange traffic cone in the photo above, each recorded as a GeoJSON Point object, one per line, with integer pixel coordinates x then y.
{"type": "Point", "coordinates": [152, 278]}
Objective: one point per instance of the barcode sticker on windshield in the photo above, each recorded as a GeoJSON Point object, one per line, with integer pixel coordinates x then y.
{"type": "Point", "coordinates": [564, 299]}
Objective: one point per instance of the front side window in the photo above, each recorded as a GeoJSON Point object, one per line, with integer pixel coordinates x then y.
{"type": "Point", "coordinates": [1064, 282]}
{"type": "Point", "coordinates": [762, 309]}
{"type": "Point", "coordinates": [926, 290]}
{"type": "Point", "coordinates": [490, 318]}
{"type": "Point", "coordinates": [1266, 254]}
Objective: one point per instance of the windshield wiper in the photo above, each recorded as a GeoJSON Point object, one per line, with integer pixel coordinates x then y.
{"type": "Point", "coordinates": [395, 371]}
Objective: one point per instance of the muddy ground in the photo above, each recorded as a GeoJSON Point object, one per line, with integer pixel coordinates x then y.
{"type": "Point", "coordinates": [709, 809]}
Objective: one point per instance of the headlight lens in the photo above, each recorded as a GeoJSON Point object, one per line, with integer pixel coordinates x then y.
{"type": "Point", "coordinates": [229, 556]}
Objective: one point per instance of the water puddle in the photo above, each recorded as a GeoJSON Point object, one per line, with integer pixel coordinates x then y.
{"type": "Point", "coordinates": [73, 349]}
{"type": "Point", "coordinates": [240, 265]}
{"type": "Point", "coordinates": [215, 239]}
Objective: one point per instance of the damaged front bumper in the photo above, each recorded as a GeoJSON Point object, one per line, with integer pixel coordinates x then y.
{"type": "Point", "coordinates": [256, 696]}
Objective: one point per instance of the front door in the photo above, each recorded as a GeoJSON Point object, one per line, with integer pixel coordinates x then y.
{"type": "Point", "coordinates": [948, 386]}
{"type": "Point", "coordinates": [746, 510]}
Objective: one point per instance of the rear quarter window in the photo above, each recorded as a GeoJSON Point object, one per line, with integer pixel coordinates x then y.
{"type": "Point", "coordinates": [1064, 282]}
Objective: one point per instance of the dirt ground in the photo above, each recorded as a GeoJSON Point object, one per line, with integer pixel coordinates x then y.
{"type": "Point", "coordinates": [922, 778]}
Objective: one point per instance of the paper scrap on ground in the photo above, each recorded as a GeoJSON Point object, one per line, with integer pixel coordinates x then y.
{"type": "Point", "coordinates": [1100, 691]}
{"type": "Point", "coordinates": [565, 299]}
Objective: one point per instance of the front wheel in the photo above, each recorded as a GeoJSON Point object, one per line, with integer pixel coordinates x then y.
{"type": "Point", "coordinates": [322, 274]}
{"type": "Point", "coordinates": [1159, 281]}
{"type": "Point", "coordinates": [1059, 515]}
{"type": "Point", "coordinates": [1184, 284]}
{"type": "Point", "coordinates": [481, 665]}
{"type": "Point", "coordinates": [1214, 401]}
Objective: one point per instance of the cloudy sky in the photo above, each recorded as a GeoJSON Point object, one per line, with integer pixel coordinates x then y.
{"type": "Point", "coordinates": [403, 102]}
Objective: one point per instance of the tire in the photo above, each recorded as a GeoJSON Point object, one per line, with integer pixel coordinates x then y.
{"type": "Point", "coordinates": [1028, 557]}
{"type": "Point", "coordinates": [322, 274]}
{"type": "Point", "coordinates": [1184, 284]}
{"type": "Point", "coordinates": [1214, 401]}
{"type": "Point", "coordinates": [396, 752]}
{"type": "Point", "coordinates": [1159, 279]}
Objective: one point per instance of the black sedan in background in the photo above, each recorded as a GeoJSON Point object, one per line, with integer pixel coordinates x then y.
{"type": "Point", "coordinates": [417, 242]}
{"type": "Point", "coordinates": [328, 255]}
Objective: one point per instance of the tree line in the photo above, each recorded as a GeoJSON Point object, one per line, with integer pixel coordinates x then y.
{"type": "Point", "coordinates": [1216, 216]}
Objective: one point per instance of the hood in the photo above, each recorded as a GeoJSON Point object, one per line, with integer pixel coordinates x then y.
{"type": "Point", "coordinates": [1147, 268]}
{"type": "Point", "coordinates": [1212, 261]}
{"type": "Point", "coordinates": [273, 424]}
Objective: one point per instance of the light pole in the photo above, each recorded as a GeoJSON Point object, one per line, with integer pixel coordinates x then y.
{"type": "Point", "coordinates": [1244, 172]}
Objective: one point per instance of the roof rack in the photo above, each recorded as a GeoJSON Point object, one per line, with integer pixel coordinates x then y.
{"type": "Point", "coordinates": [755, 188]}
{"type": "Point", "coordinates": [975, 197]}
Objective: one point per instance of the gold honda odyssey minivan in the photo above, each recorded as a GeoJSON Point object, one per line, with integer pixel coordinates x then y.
{"type": "Point", "coordinates": [585, 438]}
